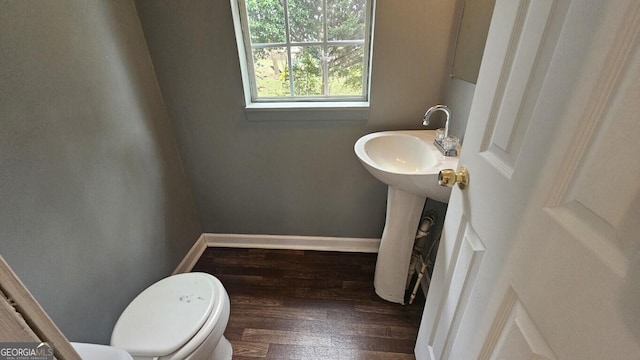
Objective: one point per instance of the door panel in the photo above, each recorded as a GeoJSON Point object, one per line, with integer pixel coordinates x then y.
{"type": "Point", "coordinates": [538, 255]}
{"type": "Point", "coordinates": [586, 245]}
{"type": "Point", "coordinates": [466, 261]}
{"type": "Point", "coordinates": [516, 335]}
{"type": "Point", "coordinates": [521, 42]}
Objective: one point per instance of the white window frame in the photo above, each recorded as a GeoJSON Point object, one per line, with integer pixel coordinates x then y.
{"type": "Point", "coordinates": [306, 108]}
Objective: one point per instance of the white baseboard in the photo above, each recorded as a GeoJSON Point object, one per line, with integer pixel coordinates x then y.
{"type": "Point", "coordinates": [192, 256]}
{"type": "Point", "coordinates": [289, 242]}
{"type": "Point", "coordinates": [293, 242]}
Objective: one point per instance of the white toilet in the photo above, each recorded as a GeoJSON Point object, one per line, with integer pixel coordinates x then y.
{"type": "Point", "coordinates": [99, 352]}
{"type": "Point", "coordinates": [179, 317]}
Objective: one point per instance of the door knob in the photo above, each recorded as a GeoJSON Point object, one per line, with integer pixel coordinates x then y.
{"type": "Point", "coordinates": [449, 177]}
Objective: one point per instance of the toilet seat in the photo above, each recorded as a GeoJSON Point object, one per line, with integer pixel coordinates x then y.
{"type": "Point", "coordinates": [171, 317]}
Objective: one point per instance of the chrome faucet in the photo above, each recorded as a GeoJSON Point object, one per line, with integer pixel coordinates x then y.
{"type": "Point", "coordinates": [433, 109]}
{"type": "Point", "coordinates": [439, 142]}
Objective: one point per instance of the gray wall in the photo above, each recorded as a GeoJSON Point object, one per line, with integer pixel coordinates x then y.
{"type": "Point", "coordinates": [94, 203]}
{"type": "Point", "coordinates": [459, 96]}
{"type": "Point", "coordinates": [295, 177]}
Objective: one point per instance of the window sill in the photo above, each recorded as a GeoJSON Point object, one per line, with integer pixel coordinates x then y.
{"type": "Point", "coordinates": [305, 111]}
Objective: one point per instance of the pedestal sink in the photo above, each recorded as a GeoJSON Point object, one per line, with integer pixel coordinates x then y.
{"type": "Point", "coordinates": [409, 163]}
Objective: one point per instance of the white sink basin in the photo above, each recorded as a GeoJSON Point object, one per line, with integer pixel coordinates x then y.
{"type": "Point", "coordinates": [407, 160]}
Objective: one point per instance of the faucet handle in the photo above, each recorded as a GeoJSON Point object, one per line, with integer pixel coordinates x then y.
{"type": "Point", "coordinates": [450, 142]}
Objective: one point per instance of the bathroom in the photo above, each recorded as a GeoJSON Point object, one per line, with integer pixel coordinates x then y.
{"type": "Point", "coordinates": [125, 139]}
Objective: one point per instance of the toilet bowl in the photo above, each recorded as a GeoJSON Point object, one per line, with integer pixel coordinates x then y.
{"type": "Point", "coordinates": [179, 317]}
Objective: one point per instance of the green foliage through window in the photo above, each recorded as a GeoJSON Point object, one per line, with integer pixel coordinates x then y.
{"type": "Point", "coordinates": [308, 48]}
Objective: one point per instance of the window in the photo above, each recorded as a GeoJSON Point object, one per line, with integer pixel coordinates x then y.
{"type": "Point", "coordinates": [305, 50]}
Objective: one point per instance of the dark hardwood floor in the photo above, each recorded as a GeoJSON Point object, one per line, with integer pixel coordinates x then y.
{"type": "Point", "coordinates": [290, 304]}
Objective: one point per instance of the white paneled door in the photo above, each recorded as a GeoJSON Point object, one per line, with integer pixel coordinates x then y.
{"type": "Point", "coordinates": [540, 255]}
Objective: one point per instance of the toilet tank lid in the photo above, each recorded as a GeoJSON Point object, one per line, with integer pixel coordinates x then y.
{"type": "Point", "coordinates": [166, 315]}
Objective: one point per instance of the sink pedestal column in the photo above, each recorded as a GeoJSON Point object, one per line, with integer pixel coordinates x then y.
{"type": "Point", "coordinates": [404, 210]}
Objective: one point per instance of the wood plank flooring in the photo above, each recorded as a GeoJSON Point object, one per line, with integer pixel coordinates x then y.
{"type": "Point", "coordinates": [294, 304]}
